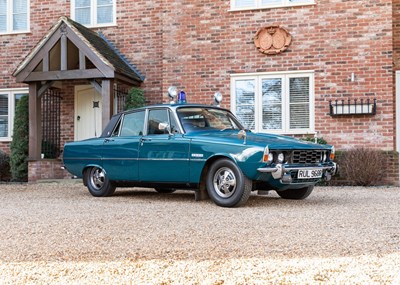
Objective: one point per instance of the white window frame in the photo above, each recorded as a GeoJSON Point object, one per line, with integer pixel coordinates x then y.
{"type": "Point", "coordinates": [9, 19]}
{"type": "Point", "coordinates": [93, 14]}
{"type": "Point", "coordinates": [258, 5]}
{"type": "Point", "coordinates": [285, 76]}
{"type": "Point", "coordinates": [11, 93]}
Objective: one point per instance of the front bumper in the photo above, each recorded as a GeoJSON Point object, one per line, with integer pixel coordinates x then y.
{"type": "Point", "coordinates": [283, 172]}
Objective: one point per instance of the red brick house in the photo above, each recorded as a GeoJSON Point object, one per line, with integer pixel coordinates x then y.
{"type": "Point", "coordinates": [280, 65]}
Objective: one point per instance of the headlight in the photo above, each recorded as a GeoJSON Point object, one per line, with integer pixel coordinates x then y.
{"type": "Point", "coordinates": [281, 157]}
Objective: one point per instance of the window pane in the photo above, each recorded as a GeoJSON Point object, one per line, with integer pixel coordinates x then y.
{"type": "Point", "coordinates": [82, 15]}
{"type": "Point", "coordinates": [20, 6]}
{"type": "Point", "coordinates": [104, 2]}
{"type": "Point", "coordinates": [133, 124]}
{"type": "Point", "coordinates": [3, 7]}
{"type": "Point", "coordinates": [82, 3]}
{"type": "Point", "coordinates": [155, 118]}
{"type": "Point", "coordinates": [299, 90]}
{"type": "Point", "coordinates": [3, 115]}
{"type": "Point", "coordinates": [271, 2]}
{"type": "Point", "coordinates": [272, 104]}
{"type": "Point", "coordinates": [244, 3]}
{"type": "Point", "coordinates": [105, 14]}
{"type": "Point", "coordinates": [299, 116]}
{"type": "Point", "coordinates": [245, 98]}
{"type": "Point", "coordinates": [299, 103]}
{"type": "Point", "coordinates": [20, 22]}
{"type": "Point", "coordinates": [301, 1]}
{"type": "Point", "coordinates": [3, 24]}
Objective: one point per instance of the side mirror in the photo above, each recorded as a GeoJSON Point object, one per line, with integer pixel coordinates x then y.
{"type": "Point", "coordinates": [242, 135]}
{"type": "Point", "coordinates": [164, 127]}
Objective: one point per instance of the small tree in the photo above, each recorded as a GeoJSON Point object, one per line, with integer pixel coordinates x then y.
{"type": "Point", "coordinates": [5, 174]}
{"type": "Point", "coordinates": [20, 143]}
{"type": "Point", "coordinates": [134, 99]}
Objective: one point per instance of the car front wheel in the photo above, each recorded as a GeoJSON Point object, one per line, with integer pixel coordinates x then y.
{"type": "Point", "coordinates": [98, 183]}
{"type": "Point", "coordinates": [227, 186]}
{"type": "Point", "coordinates": [296, 194]}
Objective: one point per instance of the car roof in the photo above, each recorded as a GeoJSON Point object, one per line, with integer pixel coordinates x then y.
{"type": "Point", "coordinates": [174, 107]}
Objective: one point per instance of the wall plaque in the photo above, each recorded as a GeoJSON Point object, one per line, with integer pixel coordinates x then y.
{"type": "Point", "coordinates": [272, 40]}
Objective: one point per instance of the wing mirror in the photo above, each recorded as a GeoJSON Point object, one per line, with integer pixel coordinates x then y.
{"type": "Point", "coordinates": [242, 135]}
{"type": "Point", "coordinates": [164, 127]}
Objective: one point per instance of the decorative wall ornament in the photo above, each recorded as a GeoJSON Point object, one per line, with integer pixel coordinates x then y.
{"type": "Point", "coordinates": [272, 39]}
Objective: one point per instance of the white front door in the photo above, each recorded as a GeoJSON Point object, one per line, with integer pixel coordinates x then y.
{"type": "Point", "coordinates": [87, 112]}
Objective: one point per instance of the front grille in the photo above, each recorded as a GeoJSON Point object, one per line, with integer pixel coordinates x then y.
{"type": "Point", "coordinates": [307, 156]}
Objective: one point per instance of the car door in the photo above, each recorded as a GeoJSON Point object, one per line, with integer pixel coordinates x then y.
{"type": "Point", "coordinates": [163, 151]}
{"type": "Point", "coordinates": [121, 149]}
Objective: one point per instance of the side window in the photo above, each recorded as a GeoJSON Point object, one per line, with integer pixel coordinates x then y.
{"type": "Point", "coordinates": [156, 117]}
{"type": "Point", "coordinates": [132, 124]}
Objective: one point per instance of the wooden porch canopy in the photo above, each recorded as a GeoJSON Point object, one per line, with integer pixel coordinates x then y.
{"type": "Point", "coordinates": [70, 51]}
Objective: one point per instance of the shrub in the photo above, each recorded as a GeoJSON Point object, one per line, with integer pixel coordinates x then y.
{"type": "Point", "coordinates": [5, 174]}
{"type": "Point", "coordinates": [312, 139]}
{"type": "Point", "coordinates": [363, 167]}
{"type": "Point", "coordinates": [134, 99]}
{"type": "Point", "coordinates": [20, 143]}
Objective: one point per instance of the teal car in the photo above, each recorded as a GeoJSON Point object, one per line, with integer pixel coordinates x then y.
{"type": "Point", "coordinates": [196, 147]}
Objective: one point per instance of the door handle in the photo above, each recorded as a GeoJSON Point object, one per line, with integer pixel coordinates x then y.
{"type": "Point", "coordinates": [142, 140]}
{"type": "Point", "coordinates": [108, 140]}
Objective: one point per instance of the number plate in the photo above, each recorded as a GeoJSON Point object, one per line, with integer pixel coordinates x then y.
{"type": "Point", "coordinates": [309, 174]}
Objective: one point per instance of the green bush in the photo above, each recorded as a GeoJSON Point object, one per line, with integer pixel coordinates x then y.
{"type": "Point", "coordinates": [5, 174]}
{"type": "Point", "coordinates": [20, 143]}
{"type": "Point", "coordinates": [134, 99]}
{"type": "Point", "coordinates": [312, 139]}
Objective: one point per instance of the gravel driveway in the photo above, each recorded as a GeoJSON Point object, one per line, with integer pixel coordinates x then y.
{"type": "Point", "coordinates": [57, 233]}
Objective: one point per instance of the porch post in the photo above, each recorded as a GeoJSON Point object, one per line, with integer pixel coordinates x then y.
{"type": "Point", "coordinates": [107, 93]}
{"type": "Point", "coordinates": [35, 127]}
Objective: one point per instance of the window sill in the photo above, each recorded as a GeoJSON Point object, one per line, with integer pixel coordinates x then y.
{"type": "Point", "coordinates": [7, 140]}
{"type": "Point", "coordinates": [14, 33]}
{"type": "Point", "coordinates": [100, 26]}
{"type": "Point", "coordinates": [291, 133]}
{"type": "Point", "coordinates": [269, 7]}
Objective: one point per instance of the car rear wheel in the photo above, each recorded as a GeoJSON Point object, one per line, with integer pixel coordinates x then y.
{"type": "Point", "coordinates": [98, 183]}
{"type": "Point", "coordinates": [296, 194]}
{"type": "Point", "coordinates": [227, 186]}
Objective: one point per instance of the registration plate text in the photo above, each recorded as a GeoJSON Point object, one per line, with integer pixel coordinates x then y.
{"type": "Point", "coordinates": [309, 173]}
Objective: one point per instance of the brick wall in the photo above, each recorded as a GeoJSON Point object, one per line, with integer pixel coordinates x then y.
{"type": "Point", "coordinates": [197, 45]}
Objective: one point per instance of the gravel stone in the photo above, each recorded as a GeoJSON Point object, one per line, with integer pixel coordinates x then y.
{"type": "Point", "coordinates": [57, 233]}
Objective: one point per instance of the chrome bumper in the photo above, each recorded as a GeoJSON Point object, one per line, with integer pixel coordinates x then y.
{"type": "Point", "coordinates": [279, 170]}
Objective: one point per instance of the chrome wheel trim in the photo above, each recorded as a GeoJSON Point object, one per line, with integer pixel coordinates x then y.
{"type": "Point", "coordinates": [224, 182]}
{"type": "Point", "coordinates": [97, 178]}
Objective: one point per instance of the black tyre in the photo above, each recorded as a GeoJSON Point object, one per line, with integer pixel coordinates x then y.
{"type": "Point", "coordinates": [296, 194]}
{"type": "Point", "coordinates": [226, 185]}
{"type": "Point", "coordinates": [98, 183]}
{"type": "Point", "coordinates": [165, 190]}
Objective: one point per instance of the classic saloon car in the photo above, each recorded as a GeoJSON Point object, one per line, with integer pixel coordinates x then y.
{"type": "Point", "coordinates": [197, 147]}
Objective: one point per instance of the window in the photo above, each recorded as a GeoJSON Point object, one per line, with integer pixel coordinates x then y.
{"type": "Point", "coordinates": [277, 103]}
{"type": "Point", "coordinates": [161, 121]}
{"type": "Point", "coordinates": [8, 102]}
{"type": "Point", "coordinates": [94, 13]}
{"type": "Point", "coordinates": [133, 124]}
{"type": "Point", "coordinates": [14, 16]}
{"type": "Point", "coordinates": [259, 4]}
